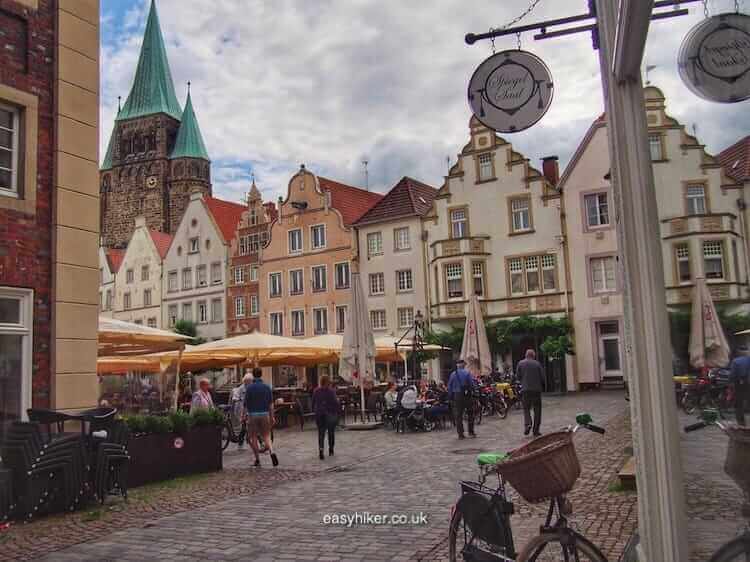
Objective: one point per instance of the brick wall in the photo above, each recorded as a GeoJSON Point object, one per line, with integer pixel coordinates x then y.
{"type": "Point", "coordinates": [27, 48]}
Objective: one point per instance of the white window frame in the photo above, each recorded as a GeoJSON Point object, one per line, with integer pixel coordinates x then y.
{"type": "Point", "coordinates": [300, 289]}
{"type": "Point", "coordinates": [130, 276]}
{"type": "Point", "coordinates": [172, 311]}
{"type": "Point", "coordinates": [407, 277]}
{"type": "Point", "coordinates": [401, 239]}
{"type": "Point", "coordinates": [253, 243]}
{"type": "Point", "coordinates": [520, 212]}
{"type": "Point", "coordinates": [239, 307]}
{"type": "Point", "coordinates": [682, 255]}
{"type": "Point", "coordinates": [694, 199]}
{"type": "Point", "coordinates": [313, 278]}
{"type": "Point", "coordinates": [655, 147]}
{"type": "Point", "coordinates": [460, 225]}
{"type": "Point", "coordinates": [187, 306]}
{"type": "Point", "coordinates": [253, 273]}
{"type": "Point", "coordinates": [14, 153]}
{"type": "Point", "coordinates": [144, 273]}
{"type": "Point", "coordinates": [239, 275]}
{"type": "Point", "coordinates": [216, 266]}
{"type": "Point", "coordinates": [272, 317]}
{"type": "Point", "coordinates": [214, 317]}
{"type": "Point", "coordinates": [289, 238]}
{"type": "Point", "coordinates": [374, 244]}
{"type": "Point", "coordinates": [600, 218]}
{"type": "Point", "coordinates": [477, 273]}
{"type": "Point", "coordinates": [147, 301]}
{"type": "Point", "coordinates": [321, 244]}
{"type": "Point", "coordinates": [484, 162]}
{"type": "Point", "coordinates": [202, 312]}
{"type": "Point", "coordinates": [187, 278]}
{"type": "Point", "coordinates": [454, 272]}
{"type": "Point", "coordinates": [341, 326]}
{"type": "Point", "coordinates": [201, 271]}
{"type": "Point", "coordinates": [294, 316]}
{"type": "Point", "coordinates": [173, 281]}
{"type": "Point", "coordinates": [271, 276]}
{"type": "Point", "coordinates": [336, 269]}
{"type": "Point", "coordinates": [380, 314]}
{"type": "Point", "coordinates": [244, 245]}
{"type": "Point", "coordinates": [380, 277]}
{"type": "Point", "coordinates": [531, 266]}
{"type": "Point", "coordinates": [600, 263]}
{"type": "Point", "coordinates": [713, 256]}
{"type": "Point", "coordinates": [24, 328]}
{"type": "Point", "coordinates": [254, 305]}
{"type": "Point", "coordinates": [549, 263]}
{"type": "Point", "coordinates": [194, 245]}
{"type": "Point", "coordinates": [320, 330]}
{"type": "Point", "coordinates": [127, 301]}
{"type": "Point", "coordinates": [409, 315]}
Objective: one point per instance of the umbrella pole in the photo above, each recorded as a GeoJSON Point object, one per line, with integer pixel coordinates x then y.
{"type": "Point", "coordinates": [361, 391]}
{"type": "Point", "coordinates": [175, 399]}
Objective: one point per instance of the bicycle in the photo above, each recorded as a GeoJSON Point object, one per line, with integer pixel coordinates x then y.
{"type": "Point", "coordinates": [737, 466]}
{"type": "Point", "coordinates": [480, 528]}
{"type": "Point", "coordinates": [229, 433]}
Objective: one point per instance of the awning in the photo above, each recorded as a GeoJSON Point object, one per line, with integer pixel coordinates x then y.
{"type": "Point", "coordinates": [117, 338]}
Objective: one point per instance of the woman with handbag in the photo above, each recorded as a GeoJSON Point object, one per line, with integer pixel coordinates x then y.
{"type": "Point", "coordinates": [326, 407]}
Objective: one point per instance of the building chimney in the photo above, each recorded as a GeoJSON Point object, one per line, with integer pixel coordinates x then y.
{"type": "Point", "coordinates": [140, 221]}
{"type": "Point", "coordinates": [551, 169]}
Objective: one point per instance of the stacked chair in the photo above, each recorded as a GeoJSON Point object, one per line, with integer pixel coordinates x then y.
{"type": "Point", "coordinates": [44, 471]}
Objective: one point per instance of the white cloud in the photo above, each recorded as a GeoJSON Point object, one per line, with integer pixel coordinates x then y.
{"type": "Point", "coordinates": [331, 82]}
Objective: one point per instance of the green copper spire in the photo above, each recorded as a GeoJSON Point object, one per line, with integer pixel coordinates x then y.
{"type": "Point", "coordinates": [189, 143]}
{"type": "Point", "coordinates": [153, 90]}
{"type": "Point", "coordinates": [107, 163]}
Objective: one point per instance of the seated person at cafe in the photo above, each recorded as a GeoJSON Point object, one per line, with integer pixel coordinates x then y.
{"type": "Point", "coordinates": [409, 398]}
{"type": "Point", "coordinates": [391, 397]}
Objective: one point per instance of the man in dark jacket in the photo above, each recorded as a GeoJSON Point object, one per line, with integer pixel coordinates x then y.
{"type": "Point", "coordinates": [531, 375]}
{"type": "Point", "coordinates": [459, 389]}
{"type": "Point", "coordinates": [260, 418]}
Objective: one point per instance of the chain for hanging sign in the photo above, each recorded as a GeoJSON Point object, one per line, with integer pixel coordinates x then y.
{"type": "Point", "coordinates": [522, 16]}
{"type": "Point", "coordinates": [736, 6]}
{"type": "Point", "coordinates": [492, 41]}
{"type": "Point", "coordinates": [518, 40]}
{"type": "Point", "coordinates": [705, 8]}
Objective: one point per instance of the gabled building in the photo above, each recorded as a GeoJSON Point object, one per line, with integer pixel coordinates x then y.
{"type": "Point", "coordinates": [156, 155]}
{"type": "Point", "coordinates": [138, 285]}
{"type": "Point", "coordinates": [494, 231]}
{"type": "Point", "coordinates": [110, 260]}
{"type": "Point", "coordinates": [736, 162]}
{"type": "Point", "coordinates": [392, 254]}
{"type": "Point", "coordinates": [305, 273]}
{"type": "Point", "coordinates": [701, 212]}
{"type": "Point", "coordinates": [196, 265]}
{"type": "Point", "coordinates": [243, 298]}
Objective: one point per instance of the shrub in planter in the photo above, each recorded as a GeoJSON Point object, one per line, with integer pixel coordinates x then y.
{"type": "Point", "coordinates": [181, 422]}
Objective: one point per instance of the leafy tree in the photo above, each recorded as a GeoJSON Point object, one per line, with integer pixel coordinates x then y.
{"type": "Point", "coordinates": [188, 328]}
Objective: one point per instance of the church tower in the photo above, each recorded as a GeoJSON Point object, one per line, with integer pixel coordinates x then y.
{"type": "Point", "coordinates": [156, 153]}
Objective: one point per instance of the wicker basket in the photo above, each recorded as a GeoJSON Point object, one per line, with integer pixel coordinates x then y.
{"type": "Point", "coordinates": [543, 468]}
{"type": "Point", "coordinates": [737, 464]}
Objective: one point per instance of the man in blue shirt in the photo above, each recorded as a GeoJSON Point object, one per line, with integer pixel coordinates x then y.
{"type": "Point", "coordinates": [740, 378]}
{"type": "Point", "coordinates": [460, 386]}
{"type": "Point", "coordinates": [259, 412]}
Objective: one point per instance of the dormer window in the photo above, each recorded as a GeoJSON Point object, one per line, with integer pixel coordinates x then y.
{"type": "Point", "coordinates": [194, 245]}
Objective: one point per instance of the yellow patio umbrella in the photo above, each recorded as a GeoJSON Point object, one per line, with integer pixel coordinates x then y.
{"type": "Point", "coordinates": [117, 337]}
{"type": "Point", "coordinates": [259, 348]}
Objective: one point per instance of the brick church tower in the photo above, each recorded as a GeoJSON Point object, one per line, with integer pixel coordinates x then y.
{"type": "Point", "coordinates": [156, 154]}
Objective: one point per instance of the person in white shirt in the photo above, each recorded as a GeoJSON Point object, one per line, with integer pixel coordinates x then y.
{"type": "Point", "coordinates": [202, 397]}
{"type": "Point", "coordinates": [409, 398]}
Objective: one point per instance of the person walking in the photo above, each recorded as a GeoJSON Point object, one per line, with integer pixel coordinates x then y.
{"type": "Point", "coordinates": [202, 399]}
{"type": "Point", "coordinates": [326, 407]}
{"type": "Point", "coordinates": [740, 378]}
{"type": "Point", "coordinates": [260, 418]}
{"type": "Point", "coordinates": [531, 375]}
{"type": "Point", "coordinates": [459, 391]}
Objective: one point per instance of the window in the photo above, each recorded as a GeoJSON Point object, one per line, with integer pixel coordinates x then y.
{"type": "Point", "coordinates": [404, 280]}
{"type": "Point", "coordinates": [454, 279]}
{"type": "Point", "coordinates": [459, 223]}
{"type": "Point", "coordinates": [126, 304]}
{"type": "Point", "coordinates": [216, 273]}
{"type": "Point", "coordinates": [217, 310]}
{"type": "Point", "coordinates": [202, 312]}
{"type": "Point", "coordinates": [318, 234]}
{"type": "Point", "coordinates": [172, 281]}
{"type": "Point", "coordinates": [405, 317]}
{"type": "Point", "coordinates": [401, 240]}
{"type": "Point", "coordinates": [201, 274]}
{"type": "Point", "coordinates": [253, 273]}
{"type": "Point", "coordinates": [696, 200]}
{"type": "Point", "coordinates": [253, 243]}
{"type": "Point", "coordinates": [151, 322]}
{"type": "Point", "coordinates": [239, 307]}
{"type": "Point", "coordinates": [485, 167]}
{"type": "Point", "coordinates": [549, 272]}
{"type": "Point", "coordinates": [515, 268]}
{"type": "Point", "coordinates": [340, 319]}
{"type": "Point", "coordinates": [377, 283]}
{"type": "Point", "coordinates": [682, 256]}
{"type": "Point", "coordinates": [341, 272]}
{"type": "Point", "coordinates": [172, 315]}
{"type": "Point", "coordinates": [147, 297]}
{"type": "Point", "coordinates": [244, 244]}
{"type": "Point", "coordinates": [655, 147]}
{"type": "Point", "coordinates": [713, 259]}
{"type": "Point", "coordinates": [295, 241]}
{"type": "Point", "coordinates": [597, 210]}
{"type": "Point", "coordinates": [187, 311]}
{"type": "Point", "coordinates": [276, 321]}
{"type": "Point", "coordinates": [319, 279]}
{"type": "Point", "coordinates": [187, 278]}
{"type": "Point", "coordinates": [9, 136]}
{"type": "Point", "coordinates": [129, 276]}
{"type": "Point", "coordinates": [194, 245]}
{"type": "Point", "coordinates": [274, 284]}
{"type": "Point", "coordinates": [16, 321]}
{"type": "Point", "coordinates": [520, 210]}
{"type": "Point", "coordinates": [110, 299]}
{"type": "Point", "coordinates": [144, 273]}
{"type": "Point", "coordinates": [264, 237]}
{"type": "Point", "coordinates": [239, 275]}
{"type": "Point", "coordinates": [320, 316]}
{"type": "Point", "coordinates": [377, 319]}
{"type": "Point", "coordinates": [603, 275]}
{"type": "Point", "coordinates": [375, 244]}
{"type": "Point", "coordinates": [254, 305]}
{"type": "Point", "coordinates": [298, 322]}
{"type": "Point", "coordinates": [139, 321]}
{"type": "Point", "coordinates": [253, 215]}
{"type": "Point", "coordinates": [296, 282]}
{"type": "Point", "coordinates": [532, 274]}
{"type": "Point", "coordinates": [477, 275]}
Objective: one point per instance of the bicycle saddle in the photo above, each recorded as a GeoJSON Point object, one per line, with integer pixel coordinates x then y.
{"type": "Point", "coordinates": [487, 459]}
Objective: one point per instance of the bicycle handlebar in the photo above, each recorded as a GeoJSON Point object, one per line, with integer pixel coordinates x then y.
{"type": "Point", "coordinates": [595, 428]}
{"type": "Point", "coordinates": [695, 426]}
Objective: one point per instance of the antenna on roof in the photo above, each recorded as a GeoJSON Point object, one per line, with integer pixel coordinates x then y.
{"type": "Point", "coordinates": [119, 104]}
{"type": "Point", "coordinates": [367, 175]}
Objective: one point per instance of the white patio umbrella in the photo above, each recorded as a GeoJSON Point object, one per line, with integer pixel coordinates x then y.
{"type": "Point", "coordinates": [358, 352]}
{"type": "Point", "coordinates": [475, 349]}
{"type": "Point", "coordinates": [708, 344]}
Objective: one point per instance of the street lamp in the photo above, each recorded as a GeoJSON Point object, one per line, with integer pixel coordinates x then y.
{"type": "Point", "coordinates": [417, 343]}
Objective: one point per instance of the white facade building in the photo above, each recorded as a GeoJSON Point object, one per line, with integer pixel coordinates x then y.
{"type": "Point", "coordinates": [109, 264]}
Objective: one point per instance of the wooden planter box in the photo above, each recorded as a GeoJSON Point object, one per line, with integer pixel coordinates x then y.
{"type": "Point", "coordinates": [158, 457]}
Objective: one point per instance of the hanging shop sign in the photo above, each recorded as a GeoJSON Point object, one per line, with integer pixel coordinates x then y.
{"type": "Point", "coordinates": [714, 58]}
{"type": "Point", "coordinates": [510, 91]}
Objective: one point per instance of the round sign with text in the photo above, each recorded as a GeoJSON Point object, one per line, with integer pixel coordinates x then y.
{"type": "Point", "coordinates": [714, 58]}
{"type": "Point", "coordinates": [510, 91]}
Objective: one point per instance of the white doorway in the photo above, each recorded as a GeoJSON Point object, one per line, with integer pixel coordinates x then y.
{"type": "Point", "coordinates": [610, 349]}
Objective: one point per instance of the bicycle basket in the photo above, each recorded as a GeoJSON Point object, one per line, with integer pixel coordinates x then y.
{"type": "Point", "coordinates": [737, 464]}
{"type": "Point", "coordinates": [543, 468]}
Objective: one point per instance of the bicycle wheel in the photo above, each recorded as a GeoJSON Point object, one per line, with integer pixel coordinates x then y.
{"type": "Point", "coordinates": [227, 432]}
{"type": "Point", "coordinates": [689, 403]}
{"type": "Point", "coordinates": [737, 550]}
{"type": "Point", "coordinates": [502, 407]}
{"type": "Point", "coordinates": [464, 545]}
{"type": "Point", "coordinates": [560, 546]}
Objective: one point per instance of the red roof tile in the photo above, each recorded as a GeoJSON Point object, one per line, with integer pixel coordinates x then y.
{"type": "Point", "coordinates": [351, 202]}
{"type": "Point", "coordinates": [226, 214]}
{"type": "Point", "coordinates": [114, 257]}
{"type": "Point", "coordinates": [736, 160]}
{"type": "Point", "coordinates": [162, 241]}
{"type": "Point", "coordinates": [408, 197]}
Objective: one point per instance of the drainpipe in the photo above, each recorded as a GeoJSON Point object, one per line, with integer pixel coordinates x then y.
{"type": "Point", "coordinates": [742, 206]}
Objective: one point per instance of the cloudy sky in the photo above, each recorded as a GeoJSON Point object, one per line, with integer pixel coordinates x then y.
{"type": "Point", "coordinates": [333, 82]}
